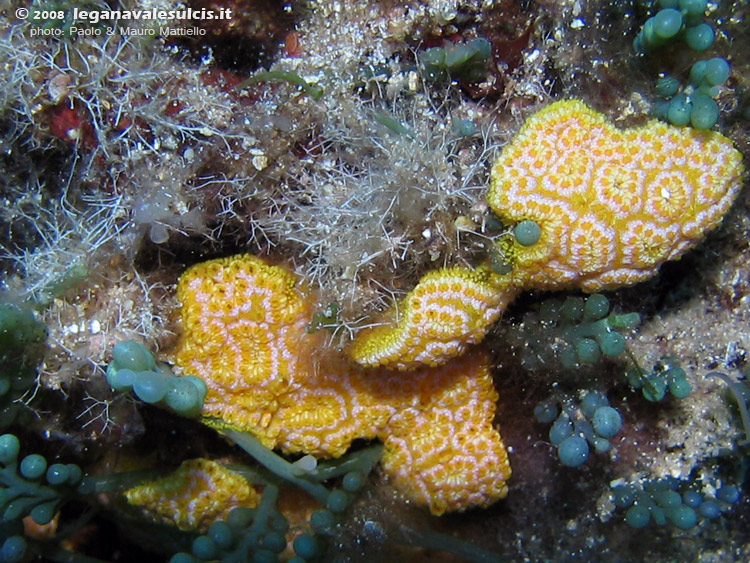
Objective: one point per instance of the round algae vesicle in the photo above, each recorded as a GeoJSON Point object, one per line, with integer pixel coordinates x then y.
{"type": "Point", "coordinates": [527, 232]}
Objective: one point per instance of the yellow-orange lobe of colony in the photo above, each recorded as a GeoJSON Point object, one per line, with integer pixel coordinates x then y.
{"type": "Point", "coordinates": [436, 447]}
{"type": "Point", "coordinates": [267, 376]}
{"type": "Point", "coordinates": [448, 311]}
{"type": "Point", "coordinates": [612, 205]}
{"type": "Point", "coordinates": [198, 493]}
{"type": "Point", "coordinates": [243, 333]}
{"type": "Point", "coordinates": [258, 361]}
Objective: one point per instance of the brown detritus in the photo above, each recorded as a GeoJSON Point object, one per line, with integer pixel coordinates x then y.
{"type": "Point", "coordinates": [69, 122]}
{"type": "Point", "coordinates": [224, 80]}
{"type": "Point", "coordinates": [508, 28]}
{"type": "Point", "coordinates": [292, 45]}
{"type": "Point", "coordinates": [173, 107]}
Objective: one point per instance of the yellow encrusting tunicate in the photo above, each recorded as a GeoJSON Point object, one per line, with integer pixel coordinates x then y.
{"type": "Point", "coordinates": [449, 456]}
{"type": "Point", "coordinates": [448, 310]}
{"type": "Point", "coordinates": [245, 334]}
{"type": "Point", "coordinates": [194, 496]}
{"type": "Point", "coordinates": [612, 205]}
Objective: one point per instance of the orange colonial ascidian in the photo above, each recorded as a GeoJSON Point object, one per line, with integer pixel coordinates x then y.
{"type": "Point", "coordinates": [448, 311]}
{"type": "Point", "coordinates": [268, 376]}
{"type": "Point", "coordinates": [198, 493]}
{"type": "Point", "coordinates": [241, 322]}
{"type": "Point", "coordinates": [442, 449]}
{"type": "Point", "coordinates": [611, 205]}
{"type": "Point", "coordinates": [244, 332]}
